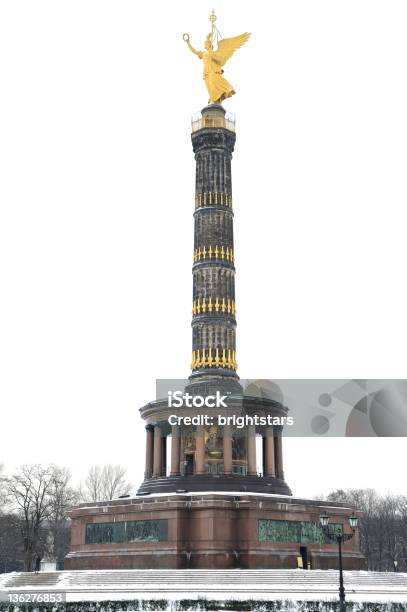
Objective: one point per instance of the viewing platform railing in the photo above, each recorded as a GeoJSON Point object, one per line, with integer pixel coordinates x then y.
{"type": "Point", "coordinates": [199, 122]}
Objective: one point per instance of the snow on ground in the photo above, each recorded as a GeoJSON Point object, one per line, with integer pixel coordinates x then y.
{"type": "Point", "coordinates": [172, 585]}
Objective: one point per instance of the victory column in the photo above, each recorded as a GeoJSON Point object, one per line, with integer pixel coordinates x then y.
{"type": "Point", "coordinates": [211, 507]}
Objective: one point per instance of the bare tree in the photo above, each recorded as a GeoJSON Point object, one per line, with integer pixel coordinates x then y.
{"type": "Point", "coordinates": [91, 489]}
{"type": "Point", "coordinates": [61, 498]}
{"type": "Point", "coordinates": [105, 483]}
{"type": "Point", "coordinates": [114, 482]}
{"type": "Point", "coordinates": [11, 550]}
{"type": "Point", "coordinates": [402, 548]}
{"type": "Point", "coordinates": [383, 527]}
{"type": "Point", "coordinates": [2, 489]}
{"type": "Point", "coordinates": [28, 492]}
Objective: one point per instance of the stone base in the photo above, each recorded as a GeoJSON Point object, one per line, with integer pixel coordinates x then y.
{"type": "Point", "coordinates": [207, 531]}
{"type": "Point", "coordinates": [209, 482]}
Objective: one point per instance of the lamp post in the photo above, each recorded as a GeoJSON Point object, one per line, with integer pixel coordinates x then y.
{"type": "Point", "coordinates": [334, 535]}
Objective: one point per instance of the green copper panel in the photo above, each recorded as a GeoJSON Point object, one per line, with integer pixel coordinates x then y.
{"type": "Point", "coordinates": [127, 531]}
{"type": "Point", "coordinates": [294, 531]}
{"type": "Point", "coordinates": [146, 531]}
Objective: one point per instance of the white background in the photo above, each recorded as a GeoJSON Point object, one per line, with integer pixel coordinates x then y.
{"type": "Point", "coordinates": [96, 234]}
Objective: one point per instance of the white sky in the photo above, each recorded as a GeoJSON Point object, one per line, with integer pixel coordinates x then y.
{"type": "Point", "coordinates": [96, 229]}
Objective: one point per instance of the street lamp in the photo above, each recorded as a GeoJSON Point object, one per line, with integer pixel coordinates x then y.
{"type": "Point", "coordinates": [334, 535]}
{"type": "Point", "coordinates": [353, 522]}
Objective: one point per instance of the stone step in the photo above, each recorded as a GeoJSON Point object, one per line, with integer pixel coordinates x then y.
{"type": "Point", "coordinates": [172, 585]}
{"type": "Point", "coordinates": [234, 579]}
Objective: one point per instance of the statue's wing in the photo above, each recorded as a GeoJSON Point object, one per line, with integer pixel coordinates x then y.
{"type": "Point", "coordinates": [227, 46]}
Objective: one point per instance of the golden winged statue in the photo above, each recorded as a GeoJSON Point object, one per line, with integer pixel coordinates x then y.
{"type": "Point", "coordinates": [218, 87]}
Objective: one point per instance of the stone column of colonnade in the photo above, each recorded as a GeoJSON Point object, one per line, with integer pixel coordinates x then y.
{"type": "Point", "coordinates": [175, 450]}
{"type": "Point", "coordinates": [227, 450]}
{"type": "Point", "coordinates": [273, 453]}
{"type": "Point", "coordinates": [278, 442]}
{"type": "Point", "coordinates": [269, 453]}
{"type": "Point", "coordinates": [200, 450]}
{"type": "Point", "coordinates": [149, 451]}
{"type": "Point", "coordinates": [157, 452]}
{"type": "Point", "coordinates": [251, 451]}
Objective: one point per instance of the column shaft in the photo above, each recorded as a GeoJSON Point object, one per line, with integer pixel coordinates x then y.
{"type": "Point", "coordinates": [278, 441]}
{"type": "Point", "coordinates": [200, 450]}
{"type": "Point", "coordinates": [269, 453]}
{"type": "Point", "coordinates": [149, 451]}
{"type": "Point", "coordinates": [164, 455]}
{"type": "Point", "coordinates": [175, 451]}
{"type": "Point", "coordinates": [213, 338]}
{"type": "Point", "coordinates": [227, 450]}
{"type": "Point", "coordinates": [251, 451]}
{"type": "Point", "coordinates": [157, 467]}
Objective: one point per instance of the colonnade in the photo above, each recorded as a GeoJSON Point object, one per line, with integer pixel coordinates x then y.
{"type": "Point", "coordinates": [156, 452]}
